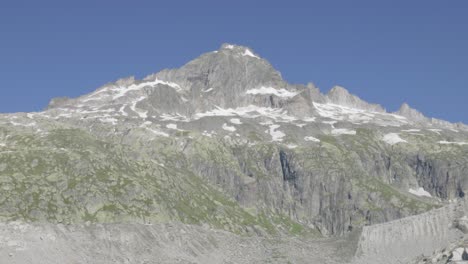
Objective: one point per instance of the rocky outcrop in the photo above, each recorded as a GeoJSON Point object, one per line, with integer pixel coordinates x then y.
{"type": "Point", "coordinates": [341, 96]}
{"type": "Point", "coordinates": [411, 113]}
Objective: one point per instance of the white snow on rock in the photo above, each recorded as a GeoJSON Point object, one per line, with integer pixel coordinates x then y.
{"type": "Point", "coordinates": [208, 90]}
{"type": "Point", "coordinates": [140, 113]}
{"type": "Point", "coordinates": [437, 131]}
{"type": "Point", "coordinates": [457, 255]}
{"type": "Point", "coordinates": [272, 91]}
{"type": "Point", "coordinates": [63, 115]}
{"type": "Point", "coordinates": [124, 90]}
{"type": "Point", "coordinates": [276, 135]}
{"type": "Point", "coordinates": [122, 110]}
{"type": "Point", "coordinates": [291, 146]}
{"type": "Point", "coordinates": [358, 116]}
{"type": "Point", "coordinates": [250, 111]}
{"type": "Point", "coordinates": [453, 143]}
{"type": "Point", "coordinates": [146, 123]}
{"type": "Point", "coordinates": [343, 131]}
{"type": "Point", "coordinates": [172, 126]}
{"type": "Point", "coordinates": [249, 53]}
{"type": "Point", "coordinates": [393, 138]}
{"type": "Point", "coordinates": [339, 112]}
{"type": "Point", "coordinates": [310, 138]}
{"type": "Point", "coordinates": [208, 134]}
{"type": "Point", "coordinates": [411, 130]}
{"type": "Point", "coordinates": [235, 121]}
{"type": "Point", "coordinates": [331, 123]}
{"type": "Point", "coordinates": [309, 119]}
{"type": "Point", "coordinates": [157, 132]}
{"type": "Point", "coordinates": [33, 124]}
{"type": "Point", "coordinates": [111, 120]}
{"type": "Point", "coordinates": [229, 47]}
{"type": "Point", "coordinates": [420, 192]}
{"type": "Point", "coordinates": [174, 117]}
{"type": "Point", "coordinates": [228, 128]}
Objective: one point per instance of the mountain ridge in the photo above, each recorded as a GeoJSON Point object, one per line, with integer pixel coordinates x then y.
{"type": "Point", "coordinates": [235, 53]}
{"type": "Point", "coordinates": [224, 143]}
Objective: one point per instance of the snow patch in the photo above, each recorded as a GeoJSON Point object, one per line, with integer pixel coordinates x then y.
{"type": "Point", "coordinates": [358, 116]}
{"type": "Point", "coordinates": [458, 255]}
{"type": "Point", "coordinates": [411, 130]}
{"type": "Point", "coordinates": [393, 138]}
{"type": "Point", "coordinates": [343, 131]}
{"type": "Point", "coordinates": [139, 113]}
{"type": "Point", "coordinates": [309, 119]}
{"type": "Point", "coordinates": [111, 120]}
{"type": "Point", "coordinates": [172, 126]}
{"type": "Point", "coordinates": [235, 121]}
{"type": "Point", "coordinates": [310, 138]}
{"type": "Point", "coordinates": [331, 123]}
{"type": "Point", "coordinates": [249, 53]}
{"type": "Point", "coordinates": [33, 124]}
{"type": "Point", "coordinates": [122, 110]}
{"type": "Point", "coordinates": [276, 135]}
{"type": "Point", "coordinates": [272, 91]}
{"type": "Point", "coordinates": [207, 90]}
{"type": "Point", "coordinates": [65, 115]}
{"type": "Point", "coordinates": [157, 132]}
{"type": "Point", "coordinates": [174, 117]}
{"type": "Point", "coordinates": [250, 111]}
{"type": "Point", "coordinates": [420, 192]}
{"type": "Point", "coordinates": [209, 134]}
{"type": "Point", "coordinates": [228, 128]}
{"type": "Point", "coordinates": [452, 143]}
{"type": "Point", "coordinates": [124, 90]}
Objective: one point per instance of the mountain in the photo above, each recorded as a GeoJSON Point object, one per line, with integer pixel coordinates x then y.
{"type": "Point", "coordinates": [224, 152]}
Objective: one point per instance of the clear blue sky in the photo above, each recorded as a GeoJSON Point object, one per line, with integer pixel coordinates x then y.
{"type": "Point", "coordinates": [386, 52]}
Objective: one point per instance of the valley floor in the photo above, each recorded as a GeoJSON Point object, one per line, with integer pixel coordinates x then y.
{"type": "Point", "coordinates": [163, 243]}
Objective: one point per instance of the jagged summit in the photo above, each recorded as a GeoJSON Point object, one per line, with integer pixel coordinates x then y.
{"type": "Point", "coordinates": [234, 77]}
{"type": "Point", "coordinates": [239, 50]}
{"type": "Point", "coordinates": [411, 113]}
{"type": "Point", "coordinates": [339, 95]}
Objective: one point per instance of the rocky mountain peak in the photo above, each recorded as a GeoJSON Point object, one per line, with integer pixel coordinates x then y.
{"type": "Point", "coordinates": [411, 113]}
{"type": "Point", "coordinates": [224, 142]}
{"type": "Point", "coordinates": [232, 77]}
{"type": "Point", "coordinates": [339, 95]}
{"type": "Point", "coordinates": [238, 50]}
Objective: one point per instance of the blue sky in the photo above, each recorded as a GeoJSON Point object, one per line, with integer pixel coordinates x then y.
{"type": "Point", "coordinates": [386, 52]}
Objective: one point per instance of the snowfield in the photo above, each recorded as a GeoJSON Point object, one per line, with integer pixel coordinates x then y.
{"type": "Point", "coordinates": [393, 138]}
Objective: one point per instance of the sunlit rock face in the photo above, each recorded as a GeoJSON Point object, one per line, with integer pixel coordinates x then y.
{"type": "Point", "coordinates": [224, 144]}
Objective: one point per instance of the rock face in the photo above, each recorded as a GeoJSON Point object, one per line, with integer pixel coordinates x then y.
{"type": "Point", "coordinates": [341, 96]}
{"type": "Point", "coordinates": [411, 113]}
{"type": "Point", "coordinates": [225, 142]}
{"type": "Point", "coordinates": [403, 240]}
